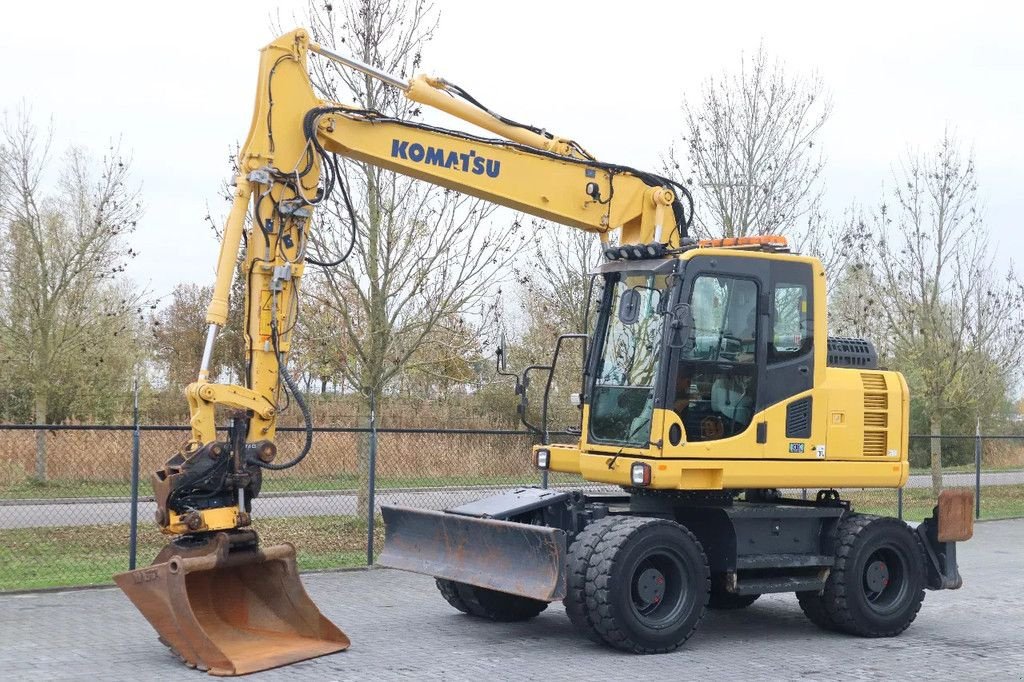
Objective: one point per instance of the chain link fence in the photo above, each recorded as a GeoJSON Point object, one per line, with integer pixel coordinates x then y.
{"type": "Point", "coordinates": [68, 506]}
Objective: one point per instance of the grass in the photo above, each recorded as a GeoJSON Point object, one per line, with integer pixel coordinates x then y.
{"type": "Point", "coordinates": [66, 489]}
{"type": "Point", "coordinates": [34, 558]}
{"type": "Point", "coordinates": [965, 469]}
{"type": "Point", "coordinates": [997, 502]}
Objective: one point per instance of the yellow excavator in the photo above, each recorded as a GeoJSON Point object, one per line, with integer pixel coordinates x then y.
{"type": "Point", "coordinates": [710, 385]}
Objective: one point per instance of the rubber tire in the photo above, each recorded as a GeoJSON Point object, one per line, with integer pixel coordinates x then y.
{"type": "Point", "coordinates": [813, 606]}
{"type": "Point", "coordinates": [843, 604]}
{"type": "Point", "coordinates": [449, 589]}
{"type": "Point", "coordinates": [490, 604]}
{"type": "Point", "coordinates": [721, 600]}
{"type": "Point", "coordinates": [609, 592]}
{"type": "Point", "coordinates": [580, 552]}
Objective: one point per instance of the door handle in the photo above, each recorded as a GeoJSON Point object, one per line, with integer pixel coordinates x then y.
{"type": "Point", "coordinates": [803, 369]}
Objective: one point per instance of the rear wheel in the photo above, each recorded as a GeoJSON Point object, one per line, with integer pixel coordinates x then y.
{"type": "Point", "coordinates": [489, 604]}
{"type": "Point", "coordinates": [813, 606]}
{"type": "Point", "coordinates": [877, 584]}
{"type": "Point", "coordinates": [647, 585]}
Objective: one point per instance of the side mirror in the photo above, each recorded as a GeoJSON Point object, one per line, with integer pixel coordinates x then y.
{"type": "Point", "coordinates": [681, 326]}
{"type": "Point", "coordinates": [629, 306]}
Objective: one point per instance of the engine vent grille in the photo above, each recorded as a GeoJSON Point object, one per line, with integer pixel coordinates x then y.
{"type": "Point", "coordinates": [874, 443]}
{"type": "Point", "coordinates": [878, 420]}
{"type": "Point", "coordinates": [876, 414]}
{"type": "Point", "coordinates": [798, 418]}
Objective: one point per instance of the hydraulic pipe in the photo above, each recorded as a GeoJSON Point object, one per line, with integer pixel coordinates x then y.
{"type": "Point", "coordinates": [433, 92]}
{"type": "Point", "coordinates": [363, 67]}
{"type": "Point", "coordinates": [217, 312]}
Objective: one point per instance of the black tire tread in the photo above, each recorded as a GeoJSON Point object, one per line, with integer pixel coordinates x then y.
{"type": "Point", "coordinates": [813, 606]}
{"type": "Point", "coordinates": [580, 552]}
{"type": "Point", "coordinates": [449, 589]}
{"type": "Point", "coordinates": [497, 606]}
{"type": "Point", "coordinates": [599, 597]}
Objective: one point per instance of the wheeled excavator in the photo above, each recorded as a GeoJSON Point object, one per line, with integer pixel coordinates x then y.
{"type": "Point", "coordinates": [710, 389]}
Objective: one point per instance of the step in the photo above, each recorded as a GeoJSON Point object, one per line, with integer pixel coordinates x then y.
{"type": "Point", "coordinates": [752, 561]}
{"type": "Point", "coordinates": [765, 585]}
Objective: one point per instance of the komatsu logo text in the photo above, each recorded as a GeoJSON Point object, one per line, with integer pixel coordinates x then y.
{"type": "Point", "coordinates": [435, 156]}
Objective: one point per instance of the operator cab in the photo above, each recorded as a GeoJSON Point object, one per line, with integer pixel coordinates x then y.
{"type": "Point", "coordinates": [713, 336]}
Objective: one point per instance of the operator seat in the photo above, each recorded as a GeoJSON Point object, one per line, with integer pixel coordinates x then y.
{"type": "Point", "coordinates": [731, 398]}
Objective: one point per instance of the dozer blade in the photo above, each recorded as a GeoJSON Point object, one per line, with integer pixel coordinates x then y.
{"type": "Point", "coordinates": [231, 612]}
{"type": "Point", "coordinates": [517, 558]}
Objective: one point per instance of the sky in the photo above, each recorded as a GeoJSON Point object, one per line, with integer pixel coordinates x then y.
{"type": "Point", "coordinates": [174, 82]}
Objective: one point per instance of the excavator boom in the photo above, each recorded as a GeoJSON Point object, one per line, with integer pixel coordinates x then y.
{"type": "Point", "coordinates": [217, 598]}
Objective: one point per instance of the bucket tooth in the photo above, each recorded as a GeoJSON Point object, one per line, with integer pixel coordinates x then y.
{"type": "Point", "coordinates": [231, 612]}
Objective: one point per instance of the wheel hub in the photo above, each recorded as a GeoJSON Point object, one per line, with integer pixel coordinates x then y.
{"type": "Point", "coordinates": [876, 576]}
{"type": "Point", "coordinates": [650, 586]}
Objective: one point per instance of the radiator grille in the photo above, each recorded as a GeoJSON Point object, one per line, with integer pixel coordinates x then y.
{"type": "Point", "coordinates": [878, 420]}
{"type": "Point", "coordinates": [874, 443]}
{"type": "Point", "coordinates": [876, 414]}
{"type": "Point", "coordinates": [873, 381]}
{"type": "Point", "coordinates": [876, 403]}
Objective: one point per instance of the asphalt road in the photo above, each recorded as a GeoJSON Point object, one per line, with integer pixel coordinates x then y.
{"type": "Point", "coordinates": [401, 629]}
{"type": "Point", "coordinates": [49, 514]}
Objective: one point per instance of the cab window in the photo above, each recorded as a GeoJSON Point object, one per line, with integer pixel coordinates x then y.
{"type": "Point", "coordinates": [791, 337]}
{"type": "Point", "coordinates": [716, 383]}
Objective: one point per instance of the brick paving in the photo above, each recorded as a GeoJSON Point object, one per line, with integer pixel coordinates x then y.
{"type": "Point", "coordinates": [402, 629]}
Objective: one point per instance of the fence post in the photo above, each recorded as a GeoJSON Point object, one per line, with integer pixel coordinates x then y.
{"type": "Point", "coordinates": [372, 482]}
{"type": "Point", "coordinates": [133, 533]}
{"type": "Point", "coordinates": [977, 469]}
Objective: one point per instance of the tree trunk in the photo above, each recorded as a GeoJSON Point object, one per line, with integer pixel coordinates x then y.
{"type": "Point", "coordinates": [40, 418]}
{"type": "Point", "coordinates": [363, 449]}
{"type": "Point", "coordinates": [936, 448]}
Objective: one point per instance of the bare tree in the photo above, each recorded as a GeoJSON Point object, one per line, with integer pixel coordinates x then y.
{"type": "Point", "coordinates": [554, 283]}
{"type": "Point", "coordinates": [750, 152]}
{"type": "Point", "coordinates": [423, 256]}
{"type": "Point", "coordinates": [68, 321]}
{"type": "Point", "coordinates": [956, 326]}
{"type": "Point", "coordinates": [556, 276]}
{"type": "Point", "coordinates": [178, 336]}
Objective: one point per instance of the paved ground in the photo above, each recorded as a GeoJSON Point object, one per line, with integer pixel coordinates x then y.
{"type": "Point", "coordinates": [401, 629]}
{"type": "Point", "coordinates": [80, 513]}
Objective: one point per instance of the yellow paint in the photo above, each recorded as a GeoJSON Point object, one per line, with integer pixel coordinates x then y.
{"type": "Point", "coordinates": [218, 518]}
{"type": "Point", "coordinates": [545, 177]}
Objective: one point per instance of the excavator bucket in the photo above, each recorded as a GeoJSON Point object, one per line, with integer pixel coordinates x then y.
{"type": "Point", "coordinates": [516, 558]}
{"type": "Point", "coordinates": [231, 612]}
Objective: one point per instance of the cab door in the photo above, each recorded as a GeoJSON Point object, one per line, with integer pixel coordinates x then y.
{"type": "Point", "coordinates": [790, 409]}
{"type": "Point", "coordinates": [713, 385]}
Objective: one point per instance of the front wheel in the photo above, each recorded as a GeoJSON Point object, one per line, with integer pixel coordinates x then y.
{"type": "Point", "coordinates": [647, 585]}
{"type": "Point", "coordinates": [489, 604]}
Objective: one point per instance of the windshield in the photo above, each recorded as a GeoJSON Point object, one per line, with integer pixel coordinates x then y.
{"type": "Point", "coordinates": [622, 401]}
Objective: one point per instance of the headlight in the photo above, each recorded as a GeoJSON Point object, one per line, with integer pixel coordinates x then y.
{"type": "Point", "coordinates": [543, 458]}
{"type": "Point", "coordinates": [640, 474]}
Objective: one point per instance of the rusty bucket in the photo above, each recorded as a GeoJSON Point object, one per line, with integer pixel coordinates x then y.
{"type": "Point", "coordinates": [231, 611]}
